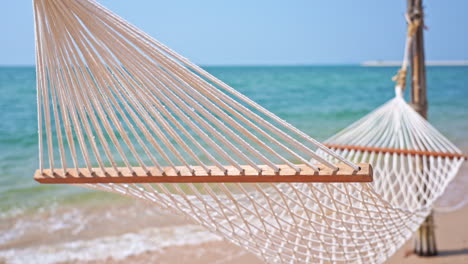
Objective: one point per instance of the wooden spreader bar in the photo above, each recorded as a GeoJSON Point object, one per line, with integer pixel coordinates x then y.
{"type": "Point", "coordinates": [286, 174]}
{"type": "Point", "coordinates": [398, 151]}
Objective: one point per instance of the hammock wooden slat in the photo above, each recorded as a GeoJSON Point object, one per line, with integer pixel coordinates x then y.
{"type": "Point", "coordinates": [231, 175]}
{"type": "Point", "coordinates": [411, 152]}
{"type": "Point", "coordinates": [106, 97]}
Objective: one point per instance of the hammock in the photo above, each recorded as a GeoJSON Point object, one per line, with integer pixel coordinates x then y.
{"type": "Point", "coordinates": [415, 161]}
{"type": "Point", "coordinates": [120, 112]}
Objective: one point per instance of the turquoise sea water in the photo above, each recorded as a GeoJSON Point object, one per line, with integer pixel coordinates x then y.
{"type": "Point", "coordinates": [319, 100]}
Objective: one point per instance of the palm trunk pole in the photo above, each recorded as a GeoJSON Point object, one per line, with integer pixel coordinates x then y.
{"type": "Point", "coordinates": [425, 241]}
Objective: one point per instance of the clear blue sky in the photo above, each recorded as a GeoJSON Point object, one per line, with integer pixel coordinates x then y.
{"type": "Point", "coordinates": [267, 31]}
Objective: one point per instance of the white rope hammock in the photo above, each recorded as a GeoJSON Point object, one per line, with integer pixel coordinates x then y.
{"type": "Point", "coordinates": [413, 161]}
{"type": "Point", "coordinates": [118, 111]}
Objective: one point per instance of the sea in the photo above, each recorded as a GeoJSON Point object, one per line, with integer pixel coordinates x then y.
{"type": "Point", "coordinates": [56, 223]}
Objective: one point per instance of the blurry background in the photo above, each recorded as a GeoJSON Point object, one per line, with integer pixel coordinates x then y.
{"type": "Point", "coordinates": [299, 59]}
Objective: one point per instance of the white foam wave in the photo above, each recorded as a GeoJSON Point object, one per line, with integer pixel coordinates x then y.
{"type": "Point", "coordinates": [116, 247]}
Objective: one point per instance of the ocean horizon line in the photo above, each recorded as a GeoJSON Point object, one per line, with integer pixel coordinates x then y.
{"type": "Point", "coordinates": [362, 64]}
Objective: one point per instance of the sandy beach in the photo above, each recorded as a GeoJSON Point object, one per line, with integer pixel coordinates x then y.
{"type": "Point", "coordinates": [452, 239]}
{"type": "Point", "coordinates": [136, 232]}
{"type": "Point", "coordinates": [115, 229]}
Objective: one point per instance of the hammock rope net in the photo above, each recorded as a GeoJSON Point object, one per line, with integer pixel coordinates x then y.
{"type": "Point", "coordinates": [114, 102]}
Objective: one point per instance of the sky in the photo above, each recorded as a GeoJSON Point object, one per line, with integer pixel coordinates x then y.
{"type": "Point", "coordinates": [267, 32]}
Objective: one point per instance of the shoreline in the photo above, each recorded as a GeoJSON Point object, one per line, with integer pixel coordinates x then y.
{"type": "Point", "coordinates": [133, 231]}
{"type": "Point", "coordinates": [452, 245]}
{"type": "Point", "coordinates": [96, 227]}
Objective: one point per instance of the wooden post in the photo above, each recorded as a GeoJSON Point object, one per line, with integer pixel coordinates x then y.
{"type": "Point", "coordinates": [425, 242]}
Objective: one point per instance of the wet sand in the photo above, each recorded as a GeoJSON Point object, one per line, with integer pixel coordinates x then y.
{"type": "Point", "coordinates": [451, 232]}
{"type": "Point", "coordinates": [132, 231]}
